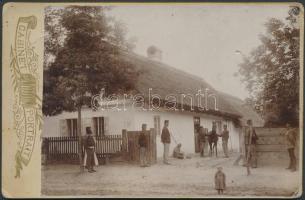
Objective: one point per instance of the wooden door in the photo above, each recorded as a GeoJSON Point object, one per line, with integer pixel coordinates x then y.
{"type": "Point", "coordinates": [196, 133]}
{"type": "Point", "coordinates": [133, 149]}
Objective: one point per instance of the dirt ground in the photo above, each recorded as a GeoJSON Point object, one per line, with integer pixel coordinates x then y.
{"type": "Point", "coordinates": [183, 178]}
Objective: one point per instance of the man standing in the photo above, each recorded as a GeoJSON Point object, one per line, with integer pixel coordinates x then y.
{"type": "Point", "coordinates": [225, 138]}
{"type": "Point", "coordinates": [291, 144]}
{"type": "Point", "coordinates": [166, 140]}
{"type": "Point", "coordinates": [143, 147]}
{"type": "Point", "coordinates": [251, 158]}
{"type": "Point", "coordinates": [201, 141]}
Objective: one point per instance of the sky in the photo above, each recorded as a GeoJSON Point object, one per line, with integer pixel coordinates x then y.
{"type": "Point", "coordinates": [201, 39]}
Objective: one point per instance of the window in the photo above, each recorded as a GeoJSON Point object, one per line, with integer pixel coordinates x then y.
{"type": "Point", "coordinates": [72, 127]}
{"type": "Point", "coordinates": [219, 126]}
{"type": "Point", "coordinates": [99, 126]}
{"type": "Point", "coordinates": [157, 124]}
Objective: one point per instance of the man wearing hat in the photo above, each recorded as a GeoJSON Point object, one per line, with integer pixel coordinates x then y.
{"type": "Point", "coordinates": [202, 140]}
{"type": "Point", "coordinates": [225, 138]}
{"type": "Point", "coordinates": [251, 157]}
{"type": "Point", "coordinates": [290, 136]}
{"type": "Point", "coordinates": [166, 140]}
{"type": "Point", "coordinates": [143, 147]}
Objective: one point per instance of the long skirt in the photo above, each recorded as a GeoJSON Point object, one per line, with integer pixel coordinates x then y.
{"type": "Point", "coordinates": [90, 158]}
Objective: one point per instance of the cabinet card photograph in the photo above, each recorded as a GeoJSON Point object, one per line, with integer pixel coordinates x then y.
{"type": "Point", "coordinates": [152, 100]}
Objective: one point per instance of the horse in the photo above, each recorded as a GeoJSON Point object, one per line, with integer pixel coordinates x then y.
{"type": "Point", "coordinates": [213, 139]}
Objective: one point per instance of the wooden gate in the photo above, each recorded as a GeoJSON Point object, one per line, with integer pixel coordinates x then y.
{"type": "Point", "coordinates": [271, 145]}
{"type": "Point", "coordinates": [132, 149]}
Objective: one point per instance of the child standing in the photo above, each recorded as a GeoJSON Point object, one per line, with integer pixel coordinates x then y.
{"type": "Point", "coordinates": [220, 180]}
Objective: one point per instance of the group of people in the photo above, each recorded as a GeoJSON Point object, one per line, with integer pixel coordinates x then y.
{"type": "Point", "coordinates": [203, 139]}
{"type": "Point", "coordinates": [202, 135]}
{"type": "Point", "coordinates": [249, 155]}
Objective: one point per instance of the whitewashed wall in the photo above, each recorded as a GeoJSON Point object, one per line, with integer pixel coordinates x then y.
{"type": "Point", "coordinates": [181, 125]}
{"type": "Point", "coordinates": [117, 120]}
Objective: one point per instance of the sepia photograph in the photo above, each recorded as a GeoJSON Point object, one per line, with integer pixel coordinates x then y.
{"type": "Point", "coordinates": [172, 100]}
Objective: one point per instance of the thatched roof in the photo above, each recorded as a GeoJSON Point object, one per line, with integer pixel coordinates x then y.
{"type": "Point", "coordinates": [165, 80]}
{"type": "Point", "coordinates": [245, 110]}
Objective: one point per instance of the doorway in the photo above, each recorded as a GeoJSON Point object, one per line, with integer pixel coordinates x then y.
{"type": "Point", "coordinates": [196, 133]}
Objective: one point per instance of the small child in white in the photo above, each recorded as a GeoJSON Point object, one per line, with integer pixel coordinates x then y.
{"type": "Point", "coordinates": [220, 180]}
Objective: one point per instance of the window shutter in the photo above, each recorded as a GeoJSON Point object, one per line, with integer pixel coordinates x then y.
{"type": "Point", "coordinates": [106, 125]}
{"type": "Point", "coordinates": [94, 125]}
{"type": "Point", "coordinates": [157, 124]}
{"type": "Point", "coordinates": [63, 127]}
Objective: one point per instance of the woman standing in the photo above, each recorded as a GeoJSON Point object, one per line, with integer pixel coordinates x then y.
{"type": "Point", "coordinates": [90, 156]}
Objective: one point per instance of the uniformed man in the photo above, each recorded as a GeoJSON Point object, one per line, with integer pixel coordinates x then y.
{"type": "Point", "coordinates": [251, 157]}
{"type": "Point", "coordinates": [143, 147]}
{"type": "Point", "coordinates": [291, 144]}
{"type": "Point", "coordinates": [166, 140]}
{"type": "Point", "coordinates": [225, 138]}
{"type": "Point", "coordinates": [202, 140]}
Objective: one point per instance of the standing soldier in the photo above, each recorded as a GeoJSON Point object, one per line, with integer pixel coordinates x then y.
{"type": "Point", "coordinates": [90, 156]}
{"type": "Point", "coordinates": [201, 141]}
{"type": "Point", "coordinates": [291, 144]}
{"type": "Point", "coordinates": [166, 140]}
{"type": "Point", "coordinates": [143, 147]}
{"type": "Point", "coordinates": [251, 158]}
{"type": "Point", "coordinates": [225, 138]}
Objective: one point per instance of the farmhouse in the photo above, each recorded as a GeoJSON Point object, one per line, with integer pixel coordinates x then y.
{"type": "Point", "coordinates": [196, 103]}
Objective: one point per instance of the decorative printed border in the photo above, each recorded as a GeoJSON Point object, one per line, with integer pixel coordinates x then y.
{"type": "Point", "coordinates": [25, 81]}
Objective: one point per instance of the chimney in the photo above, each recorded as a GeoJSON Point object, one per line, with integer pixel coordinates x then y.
{"type": "Point", "coordinates": [154, 53]}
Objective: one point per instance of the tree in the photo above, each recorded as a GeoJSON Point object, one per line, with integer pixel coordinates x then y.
{"type": "Point", "coordinates": [80, 60]}
{"type": "Point", "coordinates": [271, 71]}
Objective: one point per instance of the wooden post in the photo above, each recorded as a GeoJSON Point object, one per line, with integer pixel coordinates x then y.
{"type": "Point", "coordinates": [79, 130]}
{"type": "Point", "coordinates": [124, 143]}
{"type": "Point", "coordinates": [242, 147]}
{"type": "Point", "coordinates": [47, 150]}
{"type": "Point", "coordinates": [153, 146]}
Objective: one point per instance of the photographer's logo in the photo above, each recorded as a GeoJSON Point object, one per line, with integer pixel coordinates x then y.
{"type": "Point", "coordinates": [27, 104]}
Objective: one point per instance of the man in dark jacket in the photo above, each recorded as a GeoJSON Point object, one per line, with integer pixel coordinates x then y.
{"type": "Point", "coordinates": [251, 157]}
{"type": "Point", "coordinates": [166, 140]}
{"type": "Point", "coordinates": [202, 140]}
{"type": "Point", "coordinates": [225, 138]}
{"type": "Point", "coordinates": [143, 147]}
{"type": "Point", "coordinates": [290, 136]}
{"type": "Point", "coordinates": [89, 147]}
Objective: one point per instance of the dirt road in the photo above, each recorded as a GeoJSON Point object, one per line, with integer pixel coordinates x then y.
{"type": "Point", "coordinates": [183, 178]}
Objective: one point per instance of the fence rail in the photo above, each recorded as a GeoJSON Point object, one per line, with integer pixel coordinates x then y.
{"type": "Point", "coordinates": [66, 148]}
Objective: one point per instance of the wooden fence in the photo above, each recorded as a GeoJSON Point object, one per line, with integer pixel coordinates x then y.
{"type": "Point", "coordinates": [271, 145]}
{"type": "Point", "coordinates": [66, 148]}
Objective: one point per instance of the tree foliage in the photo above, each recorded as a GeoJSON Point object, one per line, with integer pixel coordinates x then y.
{"type": "Point", "coordinates": [271, 71]}
{"type": "Point", "coordinates": [81, 58]}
